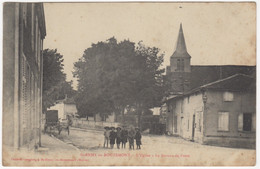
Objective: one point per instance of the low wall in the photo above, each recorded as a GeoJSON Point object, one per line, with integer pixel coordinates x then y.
{"type": "Point", "coordinates": [234, 142]}
{"type": "Point", "coordinates": [79, 123]}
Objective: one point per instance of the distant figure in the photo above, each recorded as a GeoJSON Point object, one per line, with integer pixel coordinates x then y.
{"type": "Point", "coordinates": [112, 137]}
{"type": "Point", "coordinates": [138, 138]}
{"type": "Point", "coordinates": [106, 136]}
{"type": "Point", "coordinates": [118, 137]}
{"type": "Point", "coordinates": [59, 127]}
{"type": "Point", "coordinates": [124, 135]}
{"type": "Point", "coordinates": [69, 124]}
{"type": "Point", "coordinates": [45, 126]}
{"type": "Point", "coordinates": [131, 137]}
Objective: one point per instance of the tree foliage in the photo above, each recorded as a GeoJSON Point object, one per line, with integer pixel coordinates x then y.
{"type": "Point", "coordinates": [55, 86]}
{"type": "Point", "coordinates": [112, 75]}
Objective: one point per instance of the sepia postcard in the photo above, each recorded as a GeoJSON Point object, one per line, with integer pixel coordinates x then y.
{"type": "Point", "coordinates": [129, 84]}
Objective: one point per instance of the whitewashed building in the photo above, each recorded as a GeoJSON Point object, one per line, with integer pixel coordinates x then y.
{"type": "Point", "coordinates": [66, 107]}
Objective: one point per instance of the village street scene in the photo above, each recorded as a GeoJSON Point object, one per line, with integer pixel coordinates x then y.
{"type": "Point", "coordinates": [115, 84]}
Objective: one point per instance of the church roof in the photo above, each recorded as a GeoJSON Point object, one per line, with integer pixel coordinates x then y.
{"type": "Point", "coordinates": [201, 75]}
{"type": "Point", "coordinates": [237, 82]}
{"type": "Point", "coordinates": [181, 50]}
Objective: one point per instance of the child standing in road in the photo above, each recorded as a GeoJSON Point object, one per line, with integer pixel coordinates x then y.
{"type": "Point", "coordinates": [118, 137]}
{"type": "Point", "coordinates": [138, 137]}
{"type": "Point", "coordinates": [106, 136]}
{"type": "Point", "coordinates": [131, 137]}
{"type": "Point", "coordinates": [124, 135]}
{"type": "Point", "coordinates": [112, 137]}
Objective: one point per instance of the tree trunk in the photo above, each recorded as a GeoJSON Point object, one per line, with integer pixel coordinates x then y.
{"type": "Point", "coordinates": [123, 115]}
{"type": "Point", "coordinates": [139, 114]}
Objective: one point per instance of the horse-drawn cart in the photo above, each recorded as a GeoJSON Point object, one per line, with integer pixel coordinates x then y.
{"type": "Point", "coordinates": [53, 123]}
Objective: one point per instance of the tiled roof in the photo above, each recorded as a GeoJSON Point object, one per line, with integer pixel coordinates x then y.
{"type": "Point", "coordinates": [201, 75]}
{"type": "Point", "coordinates": [237, 82]}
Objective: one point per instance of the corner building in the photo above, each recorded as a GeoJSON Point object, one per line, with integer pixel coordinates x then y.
{"type": "Point", "coordinates": [23, 34]}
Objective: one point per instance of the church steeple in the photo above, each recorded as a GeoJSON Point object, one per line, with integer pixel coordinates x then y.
{"type": "Point", "coordinates": [181, 46]}
{"type": "Point", "coordinates": [180, 59]}
{"type": "Point", "coordinates": [181, 50]}
{"type": "Point", "coordinates": [180, 68]}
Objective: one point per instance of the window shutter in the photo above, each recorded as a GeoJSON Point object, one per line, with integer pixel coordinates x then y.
{"type": "Point", "coordinates": [228, 96]}
{"type": "Point", "coordinates": [220, 121]}
{"type": "Point", "coordinates": [223, 121]}
{"type": "Point", "coordinates": [253, 122]}
{"type": "Point", "coordinates": [240, 122]}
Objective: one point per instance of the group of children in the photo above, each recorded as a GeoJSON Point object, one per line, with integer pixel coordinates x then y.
{"type": "Point", "coordinates": [122, 135]}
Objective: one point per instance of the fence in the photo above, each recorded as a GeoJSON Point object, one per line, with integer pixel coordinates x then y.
{"type": "Point", "coordinates": [82, 123]}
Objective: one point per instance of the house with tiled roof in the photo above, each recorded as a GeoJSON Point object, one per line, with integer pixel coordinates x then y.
{"type": "Point", "coordinates": [213, 105]}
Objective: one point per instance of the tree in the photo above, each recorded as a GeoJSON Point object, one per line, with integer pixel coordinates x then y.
{"type": "Point", "coordinates": [112, 76]}
{"type": "Point", "coordinates": [55, 85]}
{"type": "Point", "coordinates": [148, 79]}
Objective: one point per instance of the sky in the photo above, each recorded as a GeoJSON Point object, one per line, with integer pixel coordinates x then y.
{"type": "Point", "coordinates": [215, 33]}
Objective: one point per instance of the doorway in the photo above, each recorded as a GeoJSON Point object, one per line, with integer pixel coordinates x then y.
{"type": "Point", "coordinates": [193, 127]}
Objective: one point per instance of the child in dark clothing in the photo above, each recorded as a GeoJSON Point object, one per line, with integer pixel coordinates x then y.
{"type": "Point", "coordinates": [131, 137]}
{"type": "Point", "coordinates": [112, 137]}
{"type": "Point", "coordinates": [118, 137]}
{"type": "Point", "coordinates": [138, 137]}
{"type": "Point", "coordinates": [124, 135]}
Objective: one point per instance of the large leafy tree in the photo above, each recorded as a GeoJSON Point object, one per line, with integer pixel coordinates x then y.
{"type": "Point", "coordinates": [55, 85]}
{"type": "Point", "coordinates": [112, 76]}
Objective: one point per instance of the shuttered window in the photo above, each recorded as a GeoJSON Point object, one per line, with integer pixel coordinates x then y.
{"type": "Point", "coordinates": [228, 96]}
{"type": "Point", "coordinates": [240, 122]}
{"type": "Point", "coordinates": [22, 91]}
{"type": "Point", "coordinates": [223, 121]}
{"type": "Point", "coordinates": [178, 65]}
{"type": "Point", "coordinates": [253, 122]}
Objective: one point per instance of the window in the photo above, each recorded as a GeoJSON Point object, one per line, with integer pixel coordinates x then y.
{"type": "Point", "coordinates": [228, 96]}
{"type": "Point", "coordinates": [178, 65]}
{"type": "Point", "coordinates": [246, 122]}
{"type": "Point", "coordinates": [32, 25]}
{"type": "Point", "coordinates": [223, 121]}
{"type": "Point", "coordinates": [182, 65]}
{"type": "Point", "coordinates": [25, 14]}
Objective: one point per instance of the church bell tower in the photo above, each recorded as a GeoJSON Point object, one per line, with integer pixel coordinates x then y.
{"type": "Point", "coordinates": [180, 68]}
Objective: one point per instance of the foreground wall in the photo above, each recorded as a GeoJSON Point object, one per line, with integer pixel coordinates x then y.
{"type": "Point", "coordinates": [185, 117]}
{"type": "Point", "coordinates": [23, 33]}
{"type": "Point", "coordinates": [230, 129]}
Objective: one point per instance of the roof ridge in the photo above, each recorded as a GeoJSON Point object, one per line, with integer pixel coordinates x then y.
{"type": "Point", "coordinates": [215, 82]}
{"type": "Point", "coordinates": [230, 77]}
{"type": "Point", "coordinates": [225, 65]}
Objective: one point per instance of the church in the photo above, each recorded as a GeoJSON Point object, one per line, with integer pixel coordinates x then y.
{"type": "Point", "coordinates": [210, 104]}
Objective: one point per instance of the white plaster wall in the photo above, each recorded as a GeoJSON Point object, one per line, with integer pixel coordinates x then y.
{"type": "Point", "coordinates": [185, 109]}
{"type": "Point", "coordinates": [60, 108]}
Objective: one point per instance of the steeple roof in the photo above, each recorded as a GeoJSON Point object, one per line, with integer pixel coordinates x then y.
{"type": "Point", "coordinates": [181, 50]}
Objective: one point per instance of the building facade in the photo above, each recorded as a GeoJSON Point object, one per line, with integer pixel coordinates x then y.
{"type": "Point", "coordinates": [66, 107]}
{"type": "Point", "coordinates": [219, 113]}
{"type": "Point", "coordinates": [23, 34]}
{"type": "Point", "coordinates": [210, 104]}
